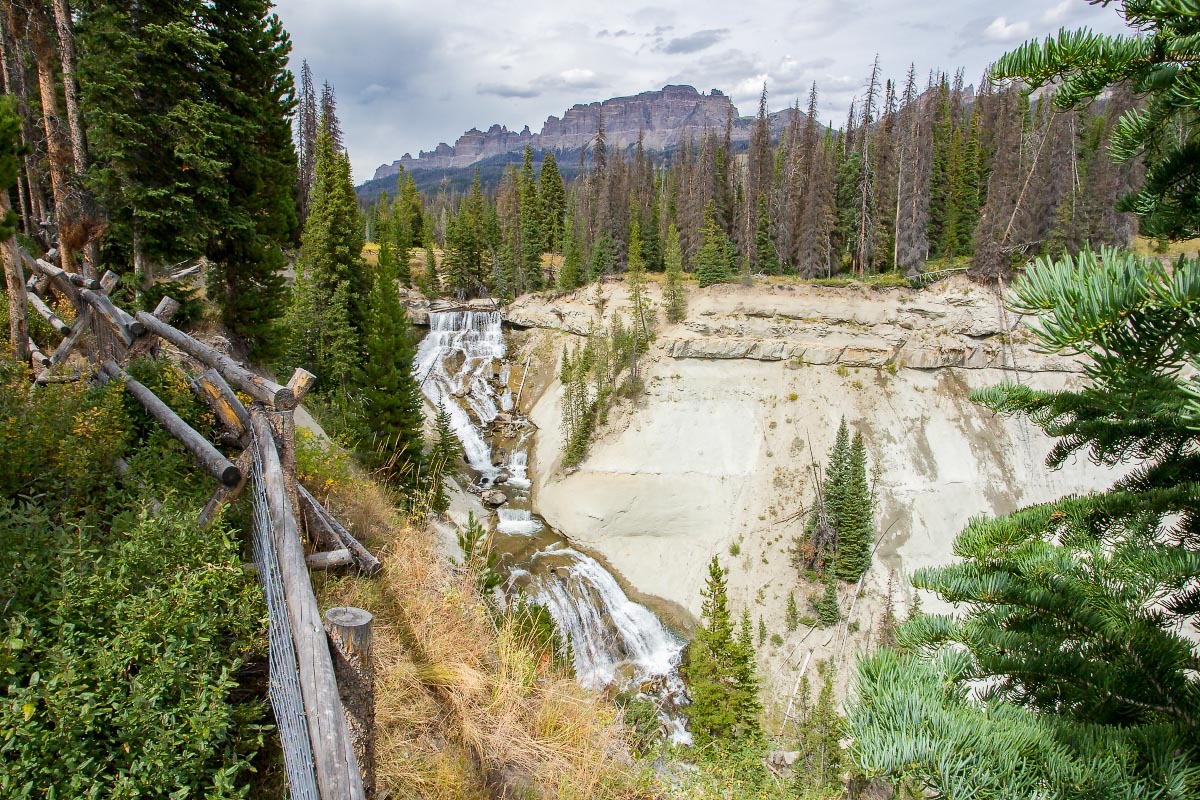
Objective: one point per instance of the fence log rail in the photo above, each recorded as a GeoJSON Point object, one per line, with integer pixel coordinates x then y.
{"type": "Point", "coordinates": [315, 730]}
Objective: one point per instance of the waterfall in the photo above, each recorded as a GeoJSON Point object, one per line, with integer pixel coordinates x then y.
{"type": "Point", "coordinates": [517, 522]}
{"type": "Point", "coordinates": [614, 640]}
{"type": "Point", "coordinates": [477, 337]}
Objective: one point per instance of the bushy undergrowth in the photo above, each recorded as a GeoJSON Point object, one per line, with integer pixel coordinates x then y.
{"type": "Point", "coordinates": [123, 628]}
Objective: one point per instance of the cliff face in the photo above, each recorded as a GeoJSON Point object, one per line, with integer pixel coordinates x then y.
{"type": "Point", "coordinates": [664, 117]}
{"type": "Point", "coordinates": [744, 397]}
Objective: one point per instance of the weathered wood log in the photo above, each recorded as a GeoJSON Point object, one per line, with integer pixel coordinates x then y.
{"type": "Point", "coordinates": [36, 354]}
{"type": "Point", "coordinates": [329, 559]}
{"type": "Point", "coordinates": [367, 563]}
{"type": "Point", "coordinates": [104, 308]}
{"type": "Point", "coordinates": [350, 640]}
{"type": "Point", "coordinates": [117, 316]}
{"type": "Point", "coordinates": [109, 281]}
{"type": "Point", "coordinates": [261, 389]}
{"type": "Point", "coordinates": [206, 455]}
{"type": "Point", "coordinates": [301, 381]}
{"type": "Point", "coordinates": [336, 770]}
{"type": "Point", "coordinates": [163, 312]}
{"type": "Point", "coordinates": [227, 495]}
{"type": "Point", "coordinates": [82, 324]}
{"type": "Point", "coordinates": [69, 283]}
{"type": "Point", "coordinates": [39, 305]}
{"type": "Point", "coordinates": [217, 395]}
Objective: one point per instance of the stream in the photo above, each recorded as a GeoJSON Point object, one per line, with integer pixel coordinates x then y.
{"type": "Point", "coordinates": [615, 642]}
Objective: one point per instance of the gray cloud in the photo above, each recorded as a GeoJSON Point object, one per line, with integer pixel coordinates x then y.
{"type": "Point", "coordinates": [508, 90]}
{"type": "Point", "coordinates": [409, 75]}
{"type": "Point", "coordinates": [695, 42]}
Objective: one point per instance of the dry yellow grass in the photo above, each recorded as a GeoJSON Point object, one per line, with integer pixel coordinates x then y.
{"type": "Point", "coordinates": [465, 708]}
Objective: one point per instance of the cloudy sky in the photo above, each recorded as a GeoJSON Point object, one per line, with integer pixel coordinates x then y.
{"type": "Point", "coordinates": [409, 75]}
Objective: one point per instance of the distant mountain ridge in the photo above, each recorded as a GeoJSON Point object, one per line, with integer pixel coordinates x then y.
{"type": "Point", "coordinates": [663, 117]}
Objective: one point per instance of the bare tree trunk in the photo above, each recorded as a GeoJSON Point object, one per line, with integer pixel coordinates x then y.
{"type": "Point", "coordinates": [14, 277]}
{"type": "Point", "coordinates": [58, 149]}
{"type": "Point", "coordinates": [13, 68]}
{"type": "Point", "coordinates": [66, 52]}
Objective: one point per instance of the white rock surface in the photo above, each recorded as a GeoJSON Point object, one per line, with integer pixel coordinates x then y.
{"type": "Point", "coordinates": [717, 456]}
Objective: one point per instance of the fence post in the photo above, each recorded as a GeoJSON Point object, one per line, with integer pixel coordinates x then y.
{"type": "Point", "coordinates": [350, 645]}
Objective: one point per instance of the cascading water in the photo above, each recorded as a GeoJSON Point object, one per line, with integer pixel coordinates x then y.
{"type": "Point", "coordinates": [614, 641]}
{"type": "Point", "coordinates": [476, 338]}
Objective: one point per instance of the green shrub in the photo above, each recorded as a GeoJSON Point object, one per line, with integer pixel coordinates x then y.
{"type": "Point", "coordinates": [641, 721]}
{"type": "Point", "coordinates": [124, 633]}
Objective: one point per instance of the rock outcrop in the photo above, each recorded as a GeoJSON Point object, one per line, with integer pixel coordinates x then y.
{"type": "Point", "coordinates": [662, 117]}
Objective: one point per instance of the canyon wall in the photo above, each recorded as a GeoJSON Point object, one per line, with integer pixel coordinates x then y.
{"type": "Point", "coordinates": [744, 397]}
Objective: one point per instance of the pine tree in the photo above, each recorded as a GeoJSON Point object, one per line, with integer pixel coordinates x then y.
{"type": "Point", "coordinates": [820, 741]}
{"type": "Point", "coordinates": [391, 415]}
{"type": "Point", "coordinates": [764, 247]}
{"type": "Point", "coordinates": [332, 243]}
{"type": "Point", "coordinates": [254, 92]}
{"type": "Point", "coordinates": [712, 262]}
{"type": "Point", "coordinates": [826, 606]}
{"type": "Point", "coordinates": [792, 617]}
{"type": "Point", "coordinates": [602, 257]}
{"type": "Point", "coordinates": [431, 283]}
{"type": "Point", "coordinates": [553, 202]}
{"type": "Point", "coordinates": [723, 709]}
{"type": "Point", "coordinates": [674, 295]}
{"type": "Point", "coordinates": [442, 458]}
{"type": "Point", "coordinates": [762, 631]}
{"type": "Point", "coordinates": [10, 150]}
{"type": "Point", "coordinates": [855, 539]}
{"type": "Point", "coordinates": [571, 276]}
{"type": "Point", "coordinates": [635, 277]}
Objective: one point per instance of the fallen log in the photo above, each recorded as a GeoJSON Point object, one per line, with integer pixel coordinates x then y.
{"type": "Point", "coordinates": [329, 559]}
{"type": "Point", "coordinates": [39, 305]}
{"type": "Point", "coordinates": [109, 281]}
{"type": "Point", "coordinates": [206, 455]}
{"type": "Point", "coordinates": [336, 769]}
{"type": "Point", "coordinates": [320, 516]}
{"type": "Point", "coordinates": [261, 389]}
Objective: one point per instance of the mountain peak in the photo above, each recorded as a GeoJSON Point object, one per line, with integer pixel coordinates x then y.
{"type": "Point", "coordinates": [662, 117]}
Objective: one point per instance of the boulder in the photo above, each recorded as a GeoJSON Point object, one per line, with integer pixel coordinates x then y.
{"type": "Point", "coordinates": [494, 498]}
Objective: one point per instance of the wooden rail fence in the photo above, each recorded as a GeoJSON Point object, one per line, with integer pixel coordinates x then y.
{"type": "Point", "coordinates": [322, 758]}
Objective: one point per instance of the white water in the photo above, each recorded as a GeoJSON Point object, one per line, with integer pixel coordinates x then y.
{"type": "Point", "coordinates": [516, 522]}
{"type": "Point", "coordinates": [614, 640]}
{"type": "Point", "coordinates": [477, 338]}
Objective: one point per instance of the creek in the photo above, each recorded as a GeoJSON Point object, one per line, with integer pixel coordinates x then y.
{"type": "Point", "coordinates": [615, 643]}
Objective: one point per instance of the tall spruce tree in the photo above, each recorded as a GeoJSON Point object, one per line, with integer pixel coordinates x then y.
{"type": "Point", "coordinates": [674, 295]}
{"type": "Point", "coordinates": [552, 199]}
{"type": "Point", "coordinates": [254, 91]}
{"type": "Point", "coordinates": [713, 261]}
{"type": "Point", "coordinates": [855, 517]}
{"type": "Point", "coordinates": [719, 673]}
{"type": "Point", "coordinates": [391, 417]}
